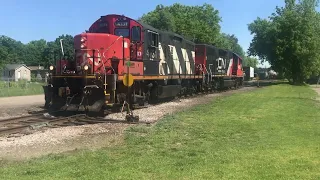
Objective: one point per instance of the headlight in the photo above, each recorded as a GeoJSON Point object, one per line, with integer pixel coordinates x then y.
{"type": "Point", "coordinates": [85, 67]}
{"type": "Point", "coordinates": [51, 68]}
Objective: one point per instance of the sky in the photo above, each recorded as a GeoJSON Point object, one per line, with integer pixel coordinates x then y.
{"type": "Point", "coordinates": [27, 20]}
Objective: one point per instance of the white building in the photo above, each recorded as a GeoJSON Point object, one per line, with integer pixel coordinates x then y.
{"type": "Point", "coordinates": [15, 72]}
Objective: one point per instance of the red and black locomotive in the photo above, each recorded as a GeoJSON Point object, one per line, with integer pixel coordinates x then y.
{"type": "Point", "coordinates": [162, 64]}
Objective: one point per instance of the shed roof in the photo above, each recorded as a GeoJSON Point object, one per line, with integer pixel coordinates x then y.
{"type": "Point", "coordinates": [32, 68]}
{"type": "Point", "coordinates": [15, 66]}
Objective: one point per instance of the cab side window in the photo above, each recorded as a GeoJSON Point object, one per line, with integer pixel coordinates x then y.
{"type": "Point", "coordinates": [153, 39]}
{"type": "Point", "coordinates": [136, 33]}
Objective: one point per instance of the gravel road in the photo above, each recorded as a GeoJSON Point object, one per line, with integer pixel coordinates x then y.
{"type": "Point", "coordinates": [70, 138]}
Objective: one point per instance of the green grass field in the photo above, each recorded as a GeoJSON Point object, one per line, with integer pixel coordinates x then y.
{"type": "Point", "coordinates": [20, 88]}
{"type": "Point", "coordinates": [271, 133]}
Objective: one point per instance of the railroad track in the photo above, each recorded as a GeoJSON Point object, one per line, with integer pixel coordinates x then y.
{"type": "Point", "coordinates": [38, 120]}
{"type": "Point", "coordinates": [26, 124]}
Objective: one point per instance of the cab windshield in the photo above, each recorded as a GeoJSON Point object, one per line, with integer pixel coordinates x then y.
{"type": "Point", "coordinates": [122, 32]}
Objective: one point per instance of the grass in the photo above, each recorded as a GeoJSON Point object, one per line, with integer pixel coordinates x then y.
{"type": "Point", "coordinates": [272, 133]}
{"type": "Point", "coordinates": [20, 88]}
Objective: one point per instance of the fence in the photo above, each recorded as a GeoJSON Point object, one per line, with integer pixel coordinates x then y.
{"type": "Point", "coordinates": [14, 87]}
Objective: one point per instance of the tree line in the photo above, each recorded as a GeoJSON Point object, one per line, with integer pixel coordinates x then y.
{"type": "Point", "coordinates": [35, 53]}
{"type": "Point", "coordinates": [197, 23]}
{"type": "Point", "coordinates": [289, 40]}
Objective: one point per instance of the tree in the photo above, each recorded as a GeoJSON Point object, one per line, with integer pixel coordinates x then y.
{"type": "Point", "coordinates": [48, 55]}
{"type": "Point", "coordinates": [250, 61]}
{"type": "Point", "coordinates": [160, 18]}
{"type": "Point", "coordinates": [3, 56]}
{"type": "Point", "coordinates": [198, 23]}
{"type": "Point", "coordinates": [289, 40]}
{"type": "Point", "coordinates": [231, 42]}
{"type": "Point", "coordinates": [45, 53]}
{"type": "Point", "coordinates": [11, 51]}
{"type": "Point", "coordinates": [34, 52]}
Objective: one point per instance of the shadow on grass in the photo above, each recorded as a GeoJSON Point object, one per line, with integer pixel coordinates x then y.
{"type": "Point", "coordinates": [264, 83]}
{"type": "Point", "coordinates": [314, 100]}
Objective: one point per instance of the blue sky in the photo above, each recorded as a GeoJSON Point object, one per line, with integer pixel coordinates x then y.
{"type": "Point", "coordinates": [27, 20]}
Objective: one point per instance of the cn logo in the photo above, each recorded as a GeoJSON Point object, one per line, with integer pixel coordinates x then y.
{"type": "Point", "coordinates": [221, 63]}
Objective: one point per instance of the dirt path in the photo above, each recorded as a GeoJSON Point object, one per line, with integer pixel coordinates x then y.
{"type": "Point", "coordinates": [317, 89]}
{"type": "Point", "coordinates": [64, 139]}
{"type": "Point", "coordinates": [21, 101]}
{"type": "Point", "coordinates": [20, 105]}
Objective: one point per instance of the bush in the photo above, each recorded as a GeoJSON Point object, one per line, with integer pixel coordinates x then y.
{"type": "Point", "coordinates": [33, 77]}
{"type": "Point", "coordinates": [3, 84]}
{"type": "Point", "coordinates": [13, 84]}
{"type": "Point", "coordinates": [22, 83]}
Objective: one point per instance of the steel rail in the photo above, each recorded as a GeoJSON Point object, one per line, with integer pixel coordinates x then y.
{"type": "Point", "coordinates": [32, 125]}
{"type": "Point", "coordinates": [79, 119]}
{"type": "Point", "coordinates": [20, 118]}
{"type": "Point", "coordinates": [14, 119]}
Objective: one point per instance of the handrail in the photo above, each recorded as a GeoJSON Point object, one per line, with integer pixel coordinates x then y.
{"type": "Point", "coordinates": [207, 71]}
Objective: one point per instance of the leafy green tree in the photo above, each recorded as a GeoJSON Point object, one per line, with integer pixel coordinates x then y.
{"type": "Point", "coordinates": [198, 23]}
{"type": "Point", "coordinates": [3, 56]}
{"type": "Point", "coordinates": [11, 51]}
{"type": "Point", "coordinates": [232, 44]}
{"type": "Point", "coordinates": [160, 18]}
{"type": "Point", "coordinates": [34, 52]}
{"type": "Point", "coordinates": [289, 40]}
{"type": "Point", "coordinates": [250, 61]}
{"type": "Point", "coordinates": [48, 55]}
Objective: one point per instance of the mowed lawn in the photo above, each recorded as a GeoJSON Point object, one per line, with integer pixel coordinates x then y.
{"type": "Point", "coordinates": [270, 133]}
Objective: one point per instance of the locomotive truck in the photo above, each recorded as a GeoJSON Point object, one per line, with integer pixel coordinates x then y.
{"type": "Point", "coordinates": [117, 52]}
